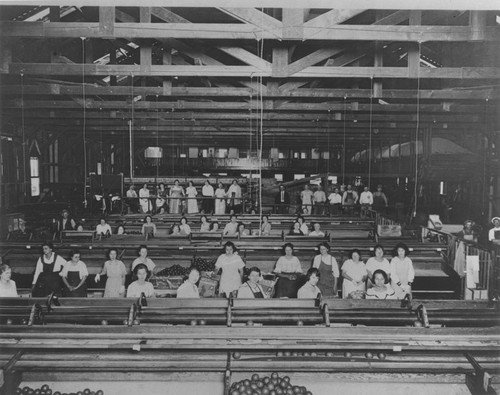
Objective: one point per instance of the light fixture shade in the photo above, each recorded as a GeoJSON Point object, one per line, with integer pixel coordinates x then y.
{"type": "Point", "coordinates": [153, 153]}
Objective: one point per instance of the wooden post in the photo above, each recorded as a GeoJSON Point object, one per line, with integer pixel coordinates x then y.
{"type": "Point", "coordinates": [167, 81]}
{"type": "Point", "coordinates": [107, 22]}
{"type": "Point", "coordinates": [478, 22]}
{"type": "Point", "coordinates": [112, 60]}
{"type": "Point", "coordinates": [378, 62]}
{"type": "Point", "coordinates": [414, 48]}
{"type": "Point", "coordinates": [280, 61]}
{"type": "Point", "coordinates": [293, 23]}
{"type": "Point", "coordinates": [55, 14]}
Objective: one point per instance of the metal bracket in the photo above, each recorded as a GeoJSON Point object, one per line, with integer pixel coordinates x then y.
{"type": "Point", "coordinates": [480, 381]}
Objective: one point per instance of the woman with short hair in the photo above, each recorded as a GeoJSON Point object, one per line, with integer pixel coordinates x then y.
{"type": "Point", "coordinates": [188, 289]}
{"type": "Point", "coordinates": [7, 286]}
{"type": "Point", "coordinates": [47, 279]}
{"type": "Point", "coordinates": [74, 274]}
{"type": "Point", "coordinates": [354, 273]}
{"type": "Point", "coordinates": [310, 289]}
{"type": "Point", "coordinates": [116, 272]}
{"type": "Point", "coordinates": [402, 272]}
{"type": "Point", "coordinates": [232, 266]}
{"type": "Point", "coordinates": [329, 270]}
{"type": "Point", "coordinates": [141, 285]}
{"type": "Point", "coordinates": [251, 289]}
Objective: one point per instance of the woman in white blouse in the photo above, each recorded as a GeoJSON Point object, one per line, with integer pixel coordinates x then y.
{"type": "Point", "coordinates": [103, 228]}
{"type": "Point", "coordinates": [188, 289]}
{"type": "Point", "coordinates": [74, 275]}
{"type": "Point", "coordinates": [7, 286]}
{"type": "Point", "coordinates": [310, 290]}
{"type": "Point", "coordinates": [141, 285]}
{"type": "Point", "coordinates": [402, 272]}
{"type": "Point", "coordinates": [289, 269]}
{"type": "Point", "coordinates": [377, 262]}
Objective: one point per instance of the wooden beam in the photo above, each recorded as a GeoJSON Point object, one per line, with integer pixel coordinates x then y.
{"type": "Point", "coordinates": [287, 90]}
{"type": "Point", "coordinates": [293, 24]}
{"type": "Point", "coordinates": [106, 22]}
{"type": "Point", "coordinates": [55, 14]}
{"type": "Point", "coordinates": [398, 112]}
{"type": "Point", "coordinates": [327, 20]}
{"type": "Point", "coordinates": [244, 31]}
{"type": "Point", "coordinates": [378, 62]}
{"type": "Point", "coordinates": [245, 56]}
{"type": "Point", "coordinates": [314, 58]}
{"type": "Point", "coordinates": [258, 19]}
{"type": "Point", "coordinates": [280, 61]}
{"type": "Point", "coordinates": [167, 15]}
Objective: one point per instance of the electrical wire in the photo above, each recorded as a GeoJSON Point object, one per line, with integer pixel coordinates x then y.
{"type": "Point", "coordinates": [23, 136]}
{"type": "Point", "coordinates": [370, 138]}
{"type": "Point", "coordinates": [84, 127]}
{"type": "Point", "coordinates": [417, 126]}
{"type": "Point", "coordinates": [344, 145]}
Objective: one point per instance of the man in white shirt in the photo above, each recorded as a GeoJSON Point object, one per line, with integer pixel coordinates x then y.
{"type": "Point", "coordinates": [366, 201]}
{"type": "Point", "coordinates": [319, 199]}
{"type": "Point", "coordinates": [207, 191]}
{"type": "Point", "coordinates": [306, 196]}
{"type": "Point", "coordinates": [234, 195]}
{"type": "Point", "coordinates": [494, 233]}
{"type": "Point", "coordinates": [335, 199]}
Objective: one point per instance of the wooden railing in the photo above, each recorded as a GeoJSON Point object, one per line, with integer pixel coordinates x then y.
{"type": "Point", "coordinates": [487, 273]}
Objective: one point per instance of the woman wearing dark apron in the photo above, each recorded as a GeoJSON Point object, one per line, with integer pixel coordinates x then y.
{"type": "Point", "coordinates": [252, 289]}
{"type": "Point", "coordinates": [74, 275]}
{"type": "Point", "coordinates": [289, 271]}
{"type": "Point", "coordinates": [328, 270]}
{"type": "Point", "coordinates": [47, 279]}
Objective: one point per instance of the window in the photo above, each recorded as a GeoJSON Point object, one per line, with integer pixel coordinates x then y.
{"type": "Point", "coordinates": [278, 177]}
{"type": "Point", "coordinates": [299, 176]}
{"type": "Point", "coordinates": [35, 176]}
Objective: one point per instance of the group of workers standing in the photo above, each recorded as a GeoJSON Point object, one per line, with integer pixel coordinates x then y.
{"type": "Point", "coordinates": [341, 199]}
{"type": "Point", "coordinates": [178, 200]}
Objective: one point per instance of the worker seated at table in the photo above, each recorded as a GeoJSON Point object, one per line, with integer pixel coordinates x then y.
{"type": "Point", "coordinates": [310, 289]}
{"type": "Point", "coordinates": [103, 228]}
{"type": "Point", "coordinates": [317, 232]}
{"type": "Point", "coordinates": [188, 289]}
{"type": "Point", "coordinates": [141, 285]}
{"type": "Point", "coordinates": [251, 289]}
{"type": "Point", "coordinates": [381, 288]}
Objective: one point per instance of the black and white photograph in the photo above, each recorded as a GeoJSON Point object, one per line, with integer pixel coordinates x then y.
{"type": "Point", "coordinates": [260, 197]}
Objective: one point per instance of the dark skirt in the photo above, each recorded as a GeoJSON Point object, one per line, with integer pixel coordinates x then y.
{"type": "Point", "coordinates": [288, 285]}
{"type": "Point", "coordinates": [46, 284]}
